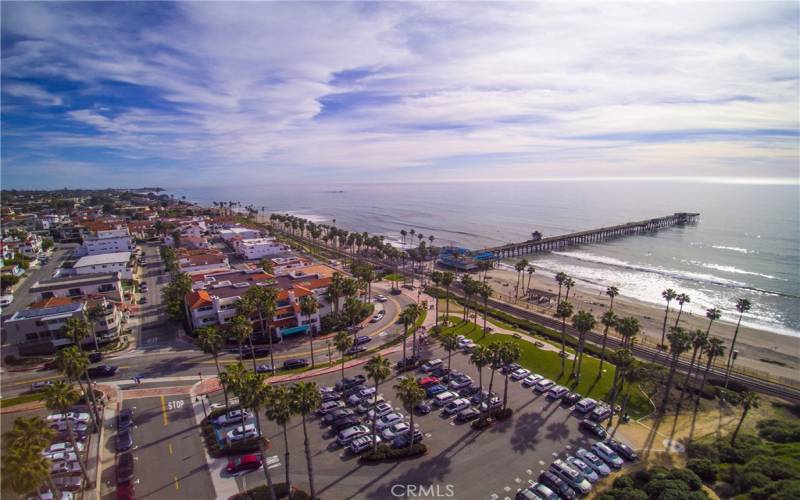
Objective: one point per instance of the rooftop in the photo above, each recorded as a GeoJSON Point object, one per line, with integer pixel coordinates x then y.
{"type": "Point", "coordinates": [103, 258]}
{"type": "Point", "coordinates": [74, 281]}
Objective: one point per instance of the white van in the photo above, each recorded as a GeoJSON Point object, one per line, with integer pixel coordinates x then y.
{"type": "Point", "coordinates": [351, 433]}
{"type": "Point", "coordinates": [445, 397]}
{"type": "Point", "coordinates": [431, 365]}
{"type": "Point", "coordinates": [586, 405]}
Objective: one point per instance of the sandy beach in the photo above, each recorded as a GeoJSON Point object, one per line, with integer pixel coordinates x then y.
{"type": "Point", "coordinates": [759, 350]}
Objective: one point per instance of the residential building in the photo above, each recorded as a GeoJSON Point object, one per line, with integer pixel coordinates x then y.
{"type": "Point", "coordinates": [120, 262]}
{"type": "Point", "coordinates": [108, 240]}
{"type": "Point", "coordinates": [201, 261]}
{"type": "Point", "coordinates": [30, 247]}
{"type": "Point", "coordinates": [239, 232]}
{"type": "Point", "coordinates": [258, 248]}
{"type": "Point", "coordinates": [282, 265]}
{"type": "Point", "coordinates": [39, 329]}
{"type": "Point", "coordinates": [194, 242]}
{"type": "Point", "coordinates": [108, 285]}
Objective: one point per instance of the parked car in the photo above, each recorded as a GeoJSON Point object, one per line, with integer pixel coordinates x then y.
{"type": "Point", "coordinates": [519, 374]}
{"type": "Point", "coordinates": [467, 414]}
{"type": "Point", "coordinates": [593, 461]}
{"type": "Point", "coordinates": [380, 410]}
{"type": "Point", "coordinates": [65, 456]}
{"type": "Point", "coordinates": [585, 405]}
{"type": "Point", "coordinates": [491, 404]}
{"type": "Point", "coordinates": [395, 430]}
{"type": "Point", "coordinates": [481, 396]}
{"type": "Point", "coordinates": [95, 357]}
{"type": "Point", "coordinates": [431, 365]}
{"type": "Point", "coordinates": [531, 379]}
{"type": "Point", "coordinates": [356, 349]}
{"type": "Point", "coordinates": [510, 368]}
{"type": "Point", "coordinates": [460, 382]}
{"type": "Point", "coordinates": [377, 317]}
{"type": "Point", "coordinates": [125, 491]}
{"type": "Point", "coordinates": [536, 491]}
{"type": "Point", "coordinates": [434, 390]}
{"type": "Point", "coordinates": [363, 393]}
{"type": "Point", "coordinates": [264, 368]}
{"type": "Point", "coordinates": [557, 392]}
{"type": "Point", "coordinates": [367, 403]}
{"type": "Point", "coordinates": [608, 455]}
{"type": "Point", "coordinates": [330, 406]}
{"type": "Point", "coordinates": [68, 483]}
{"type": "Point", "coordinates": [362, 339]}
{"type": "Point", "coordinates": [623, 450]}
{"type": "Point", "coordinates": [102, 371]}
{"type": "Point", "coordinates": [62, 447]}
{"type": "Point", "coordinates": [38, 386]}
{"type": "Point", "coordinates": [332, 416]}
{"type": "Point", "coordinates": [456, 406]}
{"type": "Point", "coordinates": [543, 385]}
{"type": "Point", "coordinates": [572, 477]}
{"type": "Point", "coordinates": [443, 374]}
{"type": "Point", "coordinates": [124, 419]}
{"type": "Point", "coordinates": [427, 381]}
{"type": "Point", "coordinates": [243, 463]}
{"type": "Point", "coordinates": [233, 417]}
{"type": "Point", "coordinates": [363, 443]}
{"type": "Point", "coordinates": [469, 390]}
{"type": "Point", "coordinates": [600, 413]}
{"type": "Point", "coordinates": [6, 300]}
{"type": "Point", "coordinates": [124, 440]}
{"type": "Point", "coordinates": [291, 364]}
{"type": "Point", "coordinates": [406, 364]}
{"type": "Point", "coordinates": [345, 422]}
{"type": "Point", "coordinates": [570, 398]}
{"type": "Point", "coordinates": [423, 408]}
{"type": "Point", "coordinates": [124, 468]}
{"type": "Point", "coordinates": [403, 440]}
{"type": "Point", "coordinates": [443, 398]}
{"type": "Point", "coordinates": [388, 420]}
{"type": "Point", "coordinates": [593, 428]}
{"type": "Point", "coordinates": [347, 435]}
{"type": "Point", "coordinates": [77, 427]}
{"type": "Point", "coordinates": [381, 298]}
{"type": "Point", "coordinates": [556, 484]}
{"type": "Point", "coordinates": [65, 468]}
{"type": "Point", "coordinates": [243, 432]}
{"type": "Point", "coordinates": [584, 468]}
{"type": "Point", "coordinates": [347, 383]}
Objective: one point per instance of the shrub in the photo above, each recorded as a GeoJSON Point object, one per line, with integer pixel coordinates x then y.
{"type": "Point", "coordinates": [656, 487]}
{"type": "Point", "coordinates": [774, 468]}
{"type": "Point", "coordinates": [779, 431]}
{"type": "Point", "coordinates": [502, 413]}
{"type": "Point", "coordinates": [705, 469]}
{"type": "Point", "coordinates": [623, 482]}
{"type": "Point", "coordinates": [385, 452]}
{"type": "Point", "coordinates": [781, 490]}
{"type": "Point", "coordinates": [703, 450]}
{"type": "Point", "coordinates": [481, 423]}
{"type": "Point", "coordinates": [623, 494]}
{"type": "Point", "coordinates": [687, 476]}
{"type": "Point", "coordinates": [751, 480]}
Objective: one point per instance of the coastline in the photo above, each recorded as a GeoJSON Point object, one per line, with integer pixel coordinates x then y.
{"type": "Point", "coordinates": [759, 349]}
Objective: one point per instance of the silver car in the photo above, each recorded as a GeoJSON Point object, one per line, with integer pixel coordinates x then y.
{"type": "Point", "coordinates": [593, 461]}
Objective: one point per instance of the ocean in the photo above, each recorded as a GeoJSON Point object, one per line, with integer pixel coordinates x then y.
{"type": "Point", "coordinates": [746, 244]}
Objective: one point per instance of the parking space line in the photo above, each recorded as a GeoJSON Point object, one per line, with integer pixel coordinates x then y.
{"type": "Point", "coordinates": [169, 446]}
{"type": "Point", "coordinates": [177, 484]}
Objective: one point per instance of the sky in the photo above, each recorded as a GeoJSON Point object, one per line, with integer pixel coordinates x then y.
{"type": "Point", "coordinates": [202, 93]}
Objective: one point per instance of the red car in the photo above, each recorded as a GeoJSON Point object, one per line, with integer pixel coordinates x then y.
{"type": "Point", "coordinates": [125, 491]}
{"type": "Point", "coordinates": [243, 463]}
{"type": "Point", "coordinates": [425, 382]}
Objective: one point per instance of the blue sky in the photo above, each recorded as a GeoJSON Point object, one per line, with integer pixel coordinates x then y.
{"type": "Point", "coordinates": [195, 94]}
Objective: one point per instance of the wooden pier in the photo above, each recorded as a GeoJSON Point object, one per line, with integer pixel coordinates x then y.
{"type": "Point", "coordinates": [591, 236]}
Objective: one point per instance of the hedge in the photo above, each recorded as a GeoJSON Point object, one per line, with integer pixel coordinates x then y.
{"type": "Point", "coordinates": [216, 450]}
{"type": "Point", "coordinates": [281, 491]}
{"type": "Point", "coordinates": [386, 452]}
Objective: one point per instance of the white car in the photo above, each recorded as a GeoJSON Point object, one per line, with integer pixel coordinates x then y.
{"type": "Point", "coordinates": [463, 341]}
{"type": "Point", "coordinates": [467, 345]}
{"type": "Point", "coordinates": [61, 426]}
{"type": "Point", "coordinates": [6, 300]}
{"type": "Point", "coordinates": [377, 317]}
{"type": "Point", "coordinates": [330, 406]}
{"type": "Point", "coordinates": [456, 406]}
{"type": "Point", "coordinates": [380, 410]}
{"type": "Point", "coordinates": [586, 405]}
{"type": "Point", "coordinates": [543, 385]}
{"type": "Point", "coordinates": [65, 468]}
{"type": "Point", "coordinates": [531, 379]}
{"type": "Point", "coordinates": [431, 365]}
{"type": "Point", "coordinates": [67, 456]}
{"type": "Point", "coordinates": [388, 420]}
{"type": "Point", "coordinates": [519, 374]}
{"type": "Point", "coordinates": [443, 398]}
{"type": "Point", "coordinates": [608, 455]}
{"type": "Point", "coordinates": [61, 448]}
{"type": "Point", "coordinates": [233, 417]}
{"type": "Point", "coordinates": [572, 477]}
{"type": "Point", "coordinates": [346, 436]}
{"type": "Point", "coordinates": [363, 443]}
{"type": "Point", "coordinates": [367, 404]}
{"type": "Point", "coordinates": [557, 392]}
{"type": "Point", "coordinates": [381, 298]}
{"type": "Point", "coordinates": [366, 392]}
{"type": "Point", "coordinates": [593, 461]}
{"type": "Point", "coordinates": [395, 430]}
{"type": "Point", "coordinates": [460, 382]}
{"type": "Point", "coordinates": [583, 468]}
{"type": "Point", "coordinates": [242, 432]}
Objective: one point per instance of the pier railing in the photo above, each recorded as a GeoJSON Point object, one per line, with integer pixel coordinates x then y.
{"type": "Point", "coordinates": [591, 235]}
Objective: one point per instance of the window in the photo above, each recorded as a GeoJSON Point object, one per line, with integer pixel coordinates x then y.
{"type": "Point", "coordinates": [47, 295]}
{"type": "Point", "coordinates": [73, 292]}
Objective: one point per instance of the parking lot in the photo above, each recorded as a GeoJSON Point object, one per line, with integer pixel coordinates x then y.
{"type": "Point", "coordinates": [493, 463]}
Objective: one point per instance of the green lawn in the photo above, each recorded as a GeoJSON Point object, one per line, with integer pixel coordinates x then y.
{"type": "Point", "coordinates": [548, 364]}
{"type": "Point", "coordinates": [393, 277]}
{"type": "Point", "coordinates": [24, 398]}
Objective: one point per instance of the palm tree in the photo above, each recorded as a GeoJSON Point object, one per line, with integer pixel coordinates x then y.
{"type": "Point", "coordinates": [622, 359]}
{"type": "Point", "coordinates": [77, 329]}
{"type": "Point", "coordinates": [309, 306]}
{"type": "Point", "coordinates": [568, 284]}
{"type": "Point", "coordinates": [450, 344]}
{"type": "Point", "coordinates": [480, 357]}
{"type": "Point", "coordinates": [378, 369]}
{"type": "Point", "coordinates": [583, 322]}
{"type": "Point", "coordinates": [742, 305]}
{"type": "Point", "coordinates": [211, 341]}
{"type": "Point", "coordinates": [447, 280]}
{"type": "Point", "coordinates": [530, 270]}
{"type": "Point", "coordinates": [749, 400]}
{"type": "Point", "coordinates": [519, 267]}
{"type": "Point", "coordinates": [564, 311]}
{"type": "Point", "coordinates": [403, 233]}
{"type": "Point", "coordinates": [408, 317]}
{"type": "Point", "coordinates": [74, 364]}
{"type": "Point", "coordinates": [669, 294]}
{"type": "Point", "coordinates": [509, 353]}
{"type": "Point", "coordinates": [699, 341]}
{"type": "Point", "coordinates": [278, 406]}
{"type": "Point", "coordinates": [61, 397]}
{"type": "Point", "coordinates": [343, 342]}
{"type": "Point", "coordinates": [241, 329]}
{"type": "Point", "coordinates": [305, 400]}
{"type": "Point", "coordinates": [25, 470]}
{"type": "Point", "coordinates": [713, 314]}
{"type": "Point", "coordinates": [267, 306]}
{"type": "Point", "coordinates": [30, 433]}
{"type": "Point", "coordinates": [609, 320]}
{"type": "Point", "coordinates": [714, 349]}
{"type": "Point", "coordinates": [679, 342]}
{"type": "Point", "coordinates": [494, 349]}
{"type": "Point", "coordinates": [628, 328]}
{"type": "Point", "coordinates": [682, 299]}
{"type": "Point", "coordinates": [634, 374]}
{"type": "Point", "coordinates": [410, 394]}
{"type": "Point", "coordinates": [560, 277]}
{"type": "Point", "coordinates": [252, 392]}
{"type": "Point", "coordinates": [485, 292]}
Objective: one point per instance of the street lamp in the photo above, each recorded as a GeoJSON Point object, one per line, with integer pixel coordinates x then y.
{"type": "Point", "coordinates": [328, 343]}
{"type": "Point", "coordinates": [202, 400]}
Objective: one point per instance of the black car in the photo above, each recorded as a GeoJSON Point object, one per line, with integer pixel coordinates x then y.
{"type": "Point", "coordinates": [468, 415]}
{"type": "Point", "coordinates": [406, 364]}
{"type": "Point", "coordinates": [441, 373]}
{"type": "Point", "coordinates": [344, 423]}
{"type": "Point", "coordinates": [469, 390]}
{"type": "Point", "coordinates": [347, 383]}
{"type": "Point", "coordinates": [330, 396]}
{"type": "Point", "coordinates": [124, 419]}
{"type": "Point", "coordinates": [570, 398]}
{"type": "Point", "coordinates": [102, 371]}
{"type": "Point", "coordinates": [258, 352]}
{"type": "Point", "coordinates": [557, 485]}
{"type": "Point", "coordinates": [350, 391]}
{"type": "Point", "coordinates": [362, 339]}
{"type": "Point", "coordinates": [335, 415]}
{"type": "Point", "coordinates": [623, 450]}
{"type": "Point", "coordinates": [481, 396]}
{"type": "Point", "coordinates": [124, 440]}
{"type": "Point", "coordinates": [600, 413]}
{"type": "Point", "coordinates": [356, 349]}
{"type": "Point", "coordinates": [291, 364]}
{"type": "Point", "coordinates": [125, 467]}
{"type": "Point", "coordinates": [423, 408]}
{"type": "Point", "coordinates": [95, 357]}
{"type": "Point", "coordinates": [593, 428]}
{"type": "Point", "coordinates": [402, 441]}
{"type": "Point", "coordinates": [509, 368]}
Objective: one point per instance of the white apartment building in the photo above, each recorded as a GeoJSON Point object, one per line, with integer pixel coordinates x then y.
{"type": "Point", "coordinates": [239, 232]}
{"type": "Point", "coordinates": [107, 241]}
{"type": "Point", "coordinates": [106, 284]}
{"type": "Point", "coordinates": [118, 262]}
{"type": "Point", "coordinates": [258, 248]}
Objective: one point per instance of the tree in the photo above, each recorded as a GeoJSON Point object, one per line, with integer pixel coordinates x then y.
{"type": "Point", "coordinates": [240, 328]}
{"type": "Point", "coordinates": [173, 296]}
{"type": "Point", "coordinates": [634, 373]}
{"type": "Point", "coordinates": [305, 400]}
{"type": "Point", "coordinates": [47, 244]}
{"type": "Point", "coordinates": [495, 362]}
{"type": "Point", "coordinates": [530, 270]}
{"type": "Point", "coordinates": [712, 314]}
{"type": "Point", "coordinates": [436, 278]}
{"type": "Point", "coordinates": [568, 284]}
{"type": "Point", "coordinates": [742, 305]}
{"type": "Point", "coordinates": [699, 341]}
{"type": "Point", "coordinates": [410, 394]}
{"type": "Point", "coordinates": [211, 341]}
{"type": "Point", "coordinates": [480, 357]}
{"type": "Point", "coordinates": [77, 329]}
{"type": "Point", "coordinates": [378, 369]}
{"type": "Point", "coordinates": [74, 364]}
{"type": "Point", "coordinates": [450, 344]}
{"type": "Point", "coordinates": [679, 342]}
{"type": "Point", "coordinates": [583, 322]}
{"type": "Point", "coordinates": [278, 406]}
{"type": "Point", "coordinates": [485, 292]}
{"type": "Point", "coordinates": [750, 400]}
{"type": "Point", "coordinates": [669, 295]}
{"type": "Point", "coordinates": [563, 311]}
{"type": "Point", "coordinates": [61, 397]}
{"type": "Point", "coordinates": [25, 470]}
{"type": "Point", "coordinates": [609, 320]}
{"type": "Point", "coordinates": [519, 267]}
{"type": "Point", "coordinates": [560, 277]}
{"type": "Point", "coordinates": [30, 433]}
{"type": "Point", "coordinates": [713, 350]}
{"type": "Point", "coordinates": [408, 317]}
{"type": "Point", "coordinates": [622, 359]}
{"type": "Point", "coordinates": [682, 299]}
{"type": "Point", "coordinates": [343, 342]}
{"type": "Point", "coordinates": [628, 328]}
{"type": "Point", "coordinates": [508, 353]}
{"type": "Point", "coordinates": [447, 280]}
{"type": "Point", "coordinates": [309, 306]}
{"type": "Point", "coordinates": [266, 266]}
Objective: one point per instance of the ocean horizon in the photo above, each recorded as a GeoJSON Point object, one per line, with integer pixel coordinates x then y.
{"type": "Point", "coordinates": [744, 245]}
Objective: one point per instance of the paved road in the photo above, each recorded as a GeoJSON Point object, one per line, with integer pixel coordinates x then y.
{"type": "Point", "coordinates": [22, 296]}
{"type": "Point", "coordinates": [152, 327]}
